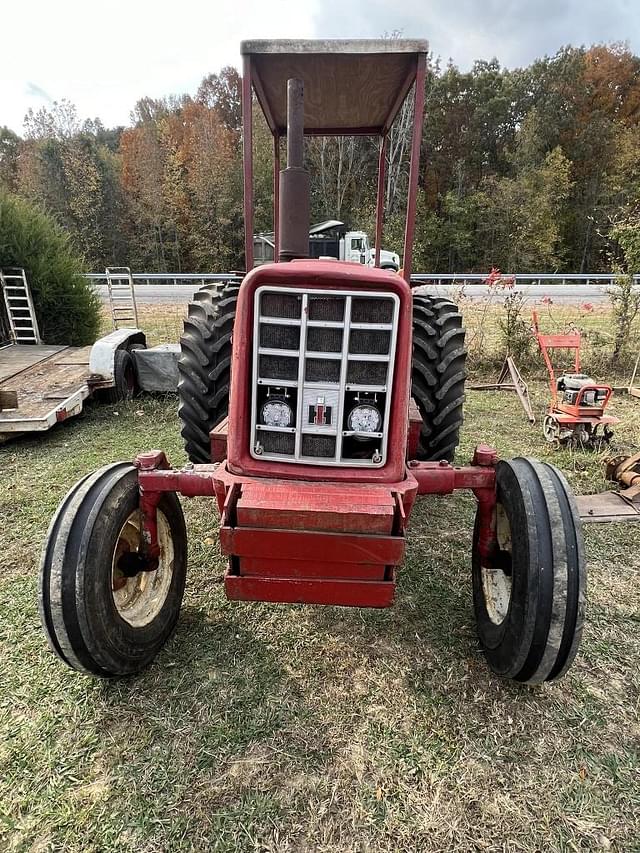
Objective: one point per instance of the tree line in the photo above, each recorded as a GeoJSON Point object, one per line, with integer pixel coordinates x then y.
{"type": "Point", "coordinates": [530, 169]}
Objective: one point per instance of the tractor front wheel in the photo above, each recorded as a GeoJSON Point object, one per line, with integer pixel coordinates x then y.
{"type": "Point", "coordinates": [529, 598]}
{"type": "Point", "coordinates": [102, 613]}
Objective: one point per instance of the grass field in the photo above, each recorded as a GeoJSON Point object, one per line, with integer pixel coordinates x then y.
{"type": "Point", "coordinates": [278, 728]}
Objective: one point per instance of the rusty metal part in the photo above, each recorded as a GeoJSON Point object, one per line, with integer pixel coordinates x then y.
{"type": "Point", "coordinates": [516, 383]}
{"type": "Point", "coordinates": [626, 471]}
{"type": "Point", "coordinates": [606, 507]}
{"type": "Point", "coordinates": [140, 586]}
{"type": "Point", "coordinates": [623, 505]}
{"type": "Point", "coordinates": [294, 193]}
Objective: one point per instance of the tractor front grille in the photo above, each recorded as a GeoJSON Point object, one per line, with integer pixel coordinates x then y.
{"type": "Point", "coordinates": [318, 356]}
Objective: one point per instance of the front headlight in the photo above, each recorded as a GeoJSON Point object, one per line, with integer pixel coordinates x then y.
{"type": "Point", "coordinates": [276, 413]}
{"type": "Point", "coordinates": [364, 418]}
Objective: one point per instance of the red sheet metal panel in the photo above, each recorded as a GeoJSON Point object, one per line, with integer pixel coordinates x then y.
{"type": "Point", "coordinates": [303, 545]}
{"type": "Point", "coordinates": [276, 568]}
{"type": "Point", "coordinates": [358, 593]}
{"type": "Point", "coordinates": [318, 544]}
{"type": "Point", "coordinates": [330, 508]}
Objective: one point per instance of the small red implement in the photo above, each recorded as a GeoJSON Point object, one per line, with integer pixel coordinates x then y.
{"type": "Point", "coordinates": [577, 407]}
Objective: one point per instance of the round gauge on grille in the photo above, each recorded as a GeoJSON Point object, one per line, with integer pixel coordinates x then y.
{"type": "Point", "coordinates": [364, 418]}
{"type": "Point", "coordinates": [276, 413]}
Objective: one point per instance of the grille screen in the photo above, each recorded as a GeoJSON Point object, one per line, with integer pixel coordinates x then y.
{"type": "Point", "coordinates": [278, 367]}
{"type": "Point", "coordinates": [277, 442]}
{"type": "Point", "coordinates": [322, 370]}
{"type": "Point", "coordinates": [323, 362]}
{"type": "Point", "coordinates": [321, 339]}
{"type": "Point", "coordinates": [374, 342]}
{"type": "Point", "coordinates": [279, 337]}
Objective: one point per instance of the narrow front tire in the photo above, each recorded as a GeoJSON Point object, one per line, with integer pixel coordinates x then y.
{"type": "Point", "coordinates": [529, 598]}
{"type": "Point", "coordinates": [100, 615]}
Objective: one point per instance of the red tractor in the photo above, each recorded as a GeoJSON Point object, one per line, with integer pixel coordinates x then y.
{"type": "Point", "coordinates": [318, 400]}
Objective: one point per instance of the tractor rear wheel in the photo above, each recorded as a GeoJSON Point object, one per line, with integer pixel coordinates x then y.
{"type": "Point", "coordinates": [101, 614]}
{"type": "Point", "coordinates": [529, 599]}
{"type": "Point", "coordinates": [204, 366]}
{"type": "Point", "coordinates": [438, 374]}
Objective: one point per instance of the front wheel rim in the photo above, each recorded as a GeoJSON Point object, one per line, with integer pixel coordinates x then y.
{"type": "Point", "coordinates": [139, 599]}
{"type": "Point", "coordinates": [497, 579]}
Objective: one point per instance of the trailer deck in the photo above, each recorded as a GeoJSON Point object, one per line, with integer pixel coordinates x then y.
{"type": "Point", "coordinates": [41, 385]}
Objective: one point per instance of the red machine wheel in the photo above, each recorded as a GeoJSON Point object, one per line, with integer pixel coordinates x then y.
{"type": "Point", "coordinates": [101, 614]}
{"type": "Point", "coordinates": [529, 600]}
{"type": "Point", "coordinates": [551, 429]}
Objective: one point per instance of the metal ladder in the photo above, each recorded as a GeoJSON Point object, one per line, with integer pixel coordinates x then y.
{"type": "Point", "coordinates": [23, 325]}
{"type": "Point", "coordinates": [122, 297]}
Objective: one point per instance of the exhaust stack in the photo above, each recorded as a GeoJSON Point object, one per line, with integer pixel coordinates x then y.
{"type": "Point", "coordinates": [294, 181]}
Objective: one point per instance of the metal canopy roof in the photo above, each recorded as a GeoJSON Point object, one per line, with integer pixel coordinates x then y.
{"type": "Point", "coordinates": [350, 86]}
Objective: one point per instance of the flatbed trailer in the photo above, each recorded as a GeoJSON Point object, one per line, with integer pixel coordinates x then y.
{"type": "Point", "coordinates": [42, 385]}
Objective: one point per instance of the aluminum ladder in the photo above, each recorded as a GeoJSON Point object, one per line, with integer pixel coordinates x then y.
{"type": "Point", "coordinates": [21, 315]}
{"type": "Point", "coordinates": [122, 297]}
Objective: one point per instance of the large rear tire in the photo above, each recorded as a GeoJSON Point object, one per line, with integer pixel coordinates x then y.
{"type": "Point", "coordinates": [529, 599]}
{"type": "Point", "coordinates": [204, 366]}
{"type": "Point", "coordinates": [438, 374]}
{"type": "Point", "coordinates": [100, 613]}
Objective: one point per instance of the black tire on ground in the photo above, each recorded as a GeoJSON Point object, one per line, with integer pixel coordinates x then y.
{"type": "Point", "coordinates": [125, 383]}
{"type": "Point", "coordinates": [98, 620]}
{"type": "Point", "coordinates": [438, 374]}
{"type": "Point", "coordinates": [204, 366]}
{"type": "Point", "coordinates": [530, 601]}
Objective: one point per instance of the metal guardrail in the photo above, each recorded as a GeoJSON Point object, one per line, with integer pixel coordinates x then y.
{"type": "Point", "coordinates": [170, 277]}
{"type": "Point", "coordinates": [444, 279]}
{"type": "Point", "coordinates": [531, 279]}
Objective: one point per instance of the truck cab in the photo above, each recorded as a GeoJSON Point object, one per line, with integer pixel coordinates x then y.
{"type": "Point", "coordinates": [358, 249]}
{"type": "Point", "coordinates": [330, 240]}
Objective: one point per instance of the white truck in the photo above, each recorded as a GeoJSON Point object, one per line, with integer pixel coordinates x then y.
{"type": "Point", "coordinates": [330, 239]}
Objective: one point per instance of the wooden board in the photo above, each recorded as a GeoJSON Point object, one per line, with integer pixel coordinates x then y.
{"type": "Point", "coordinates": [43, 378]}
{"type": "Point", "coordinates": [15, 359]}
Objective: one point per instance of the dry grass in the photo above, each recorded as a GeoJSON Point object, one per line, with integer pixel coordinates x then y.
{"type": "Point", "coordinates": [487, 349]}
{"type": "Point", "coordinates": [162, 322]}
{"type": "Point", "coordinates": [278, 728]}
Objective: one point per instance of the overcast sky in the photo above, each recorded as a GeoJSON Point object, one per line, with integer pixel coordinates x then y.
{"type": "Point", "coordinates": [104, 56]}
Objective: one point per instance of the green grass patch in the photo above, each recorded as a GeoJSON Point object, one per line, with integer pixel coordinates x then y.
{"type": "Point", "coordinates": [280, 728]}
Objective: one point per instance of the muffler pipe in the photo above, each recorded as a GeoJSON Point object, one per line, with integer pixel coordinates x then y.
{"type": "Point", "coordinates": [293, 215]}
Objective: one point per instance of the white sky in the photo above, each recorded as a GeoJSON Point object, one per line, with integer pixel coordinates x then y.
{"type": "Point", "coordinates": [103, 56]}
